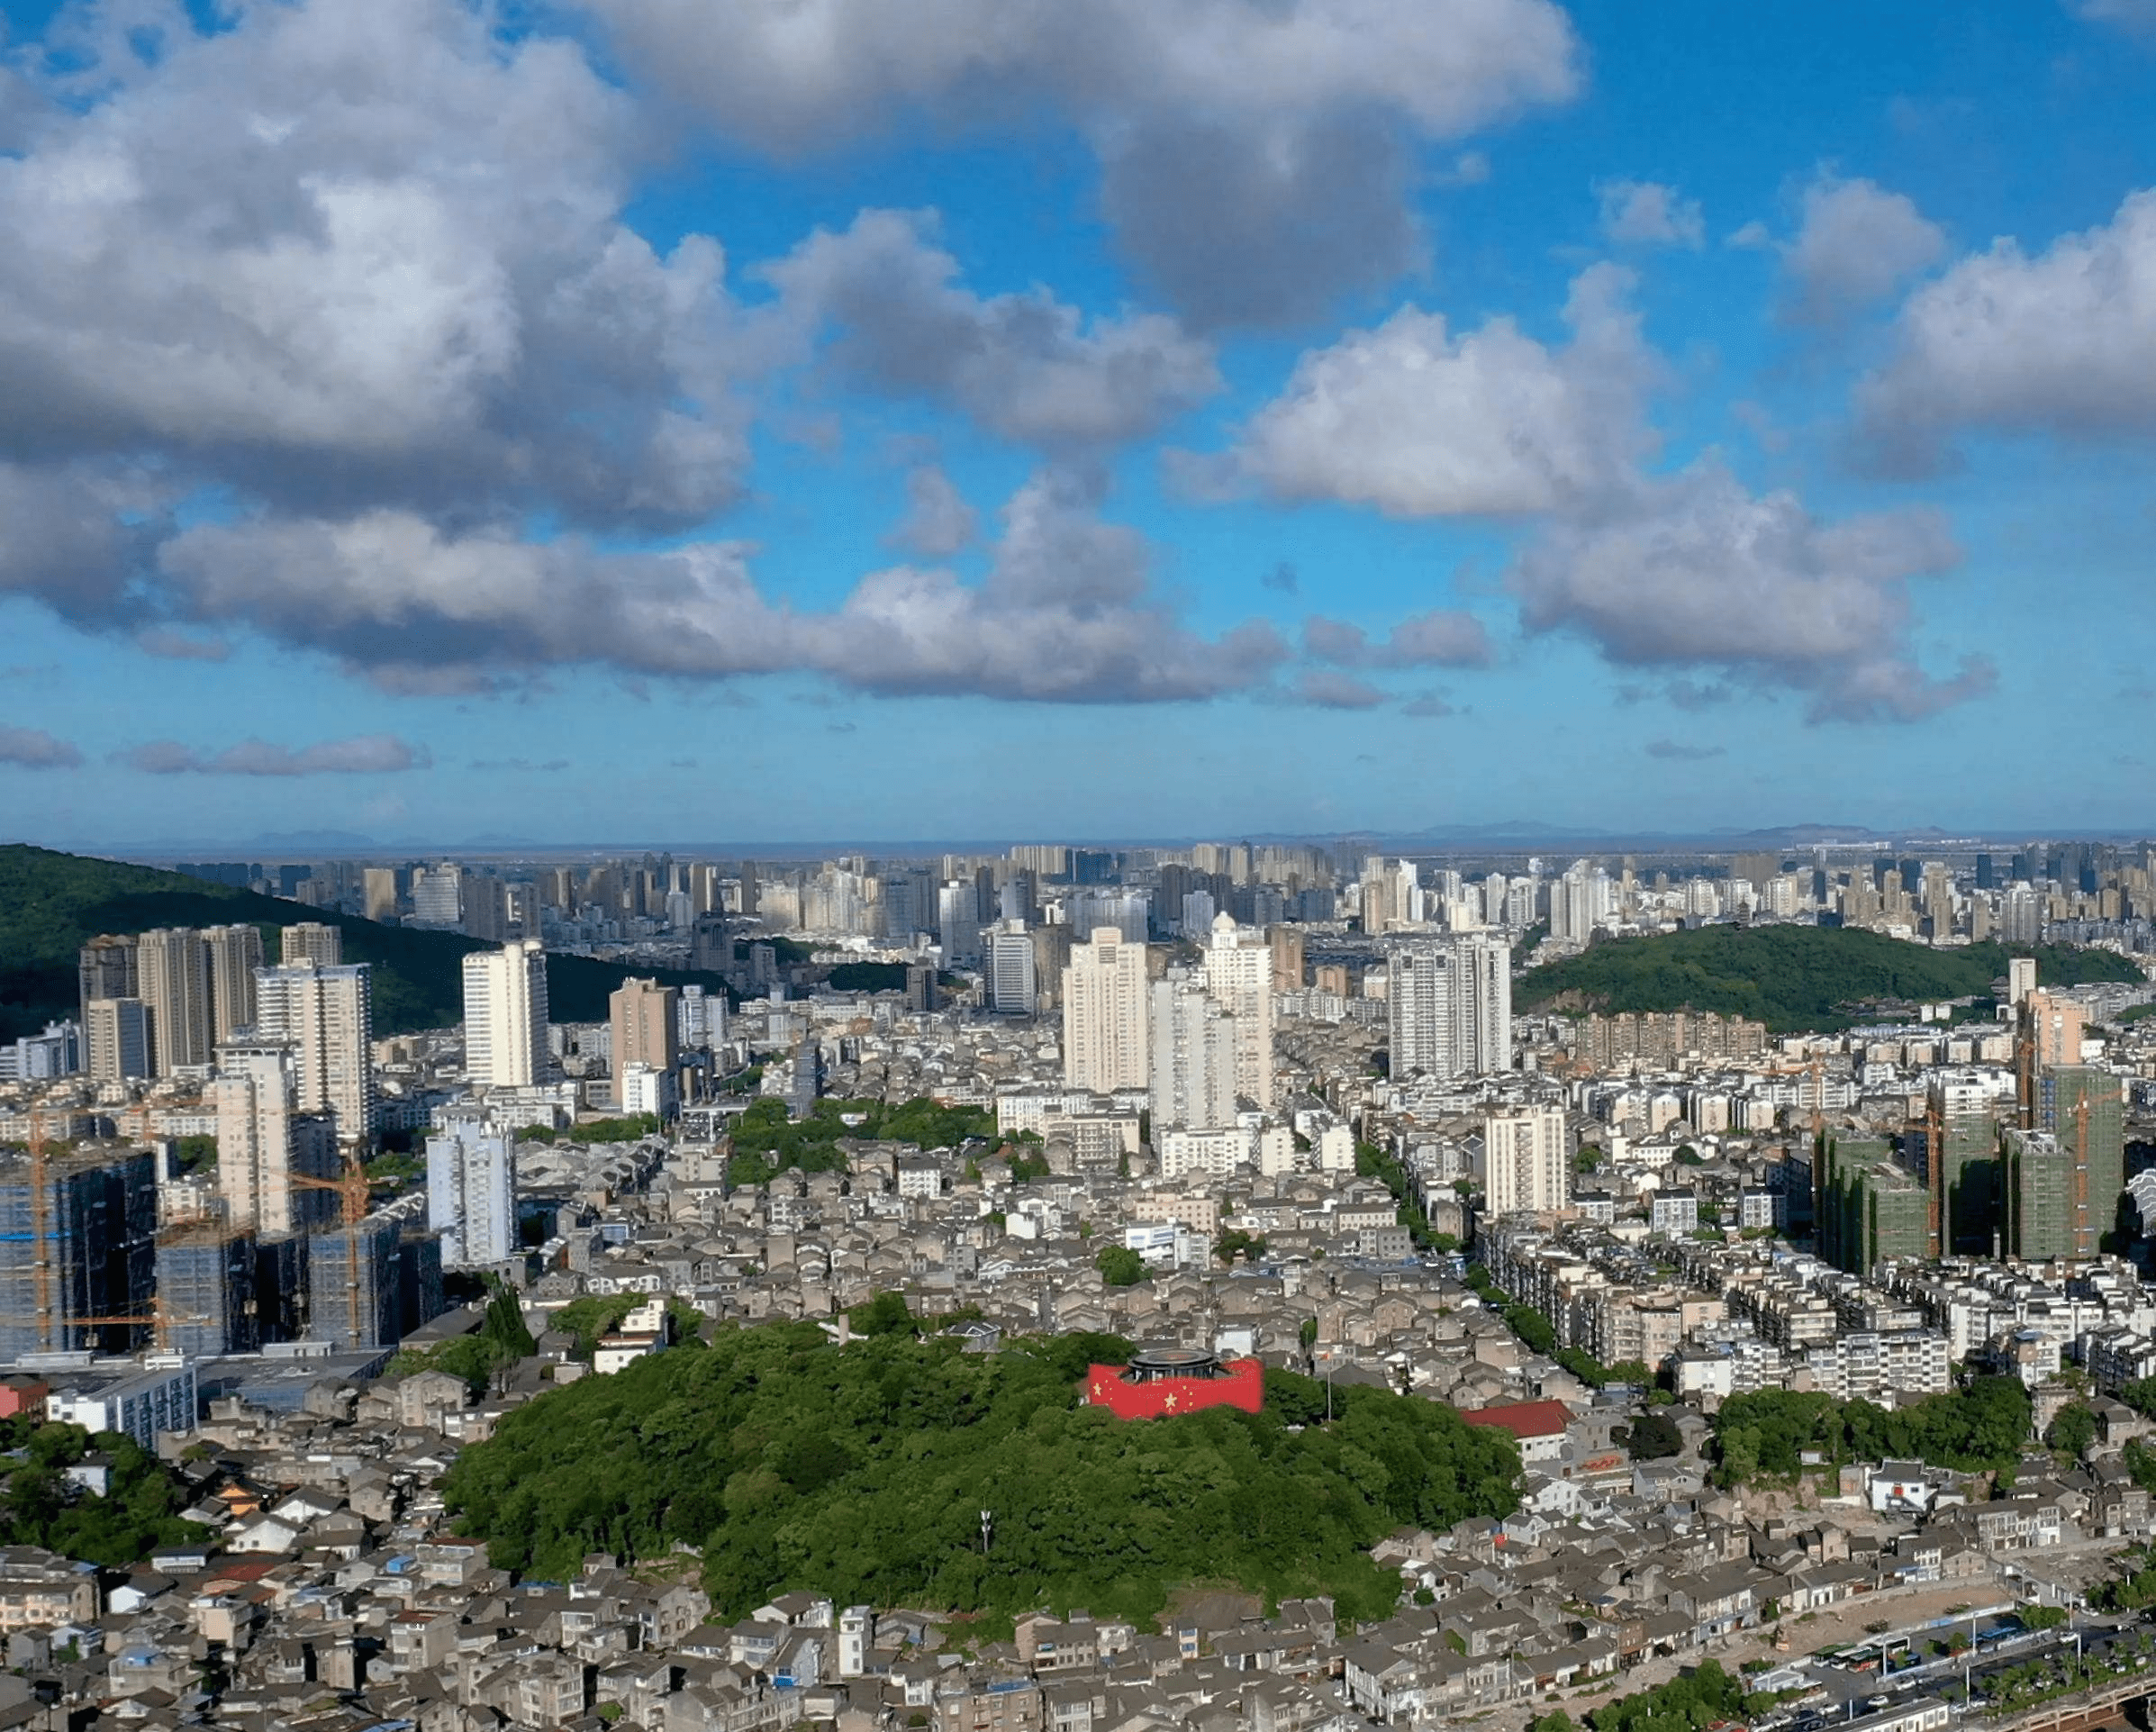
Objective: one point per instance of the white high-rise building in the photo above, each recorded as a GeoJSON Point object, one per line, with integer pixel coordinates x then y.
{"type": "Point", "coordinates": [1521, 895]}
{"type": "Point", "coordinates": [1193, 1062]}
{"type": "Point", "coordinates": [472, 1193]}
{"type": "Point", "coordinates": [327, 1016]}
{"type": "Point", "coordinates": [701, 1019]}
{"type": "Point", "coordinates": [1012, 983]}
{"type": "Point", "coordinates": [437, 895]}
{"type": "Point", "coordinates": [1104, 1014]}
{"type": "Point", "coordinates": [1579, 901]}
{"type": "Point", "coordinates": [1450, 1005]}
{"type": "Point", "coordinates": [505, 1016]}
{"type": "Point", "coordinates": [1526, 1160]}
{"type": "Point", "coordinates": [1238, 973]}
{"type": "Point", "coordinates": [264, 1138]}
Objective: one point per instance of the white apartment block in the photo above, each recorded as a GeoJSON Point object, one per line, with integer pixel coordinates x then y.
{"type": "Point", "coordinates": [1104, 1004]}
{"type": "Point", "coordinates": [1526, 1160]}
{"type": "Point", "coordinates": [505, 1016]}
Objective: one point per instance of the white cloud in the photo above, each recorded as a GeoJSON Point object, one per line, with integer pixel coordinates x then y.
{"type": "Point", "coordinates": [363, 755]}
{"type": "Point", "coordinates": [1647, 213]}
{"type": "Point", "coordinates": [1856, 243]}
{"type": "Point", "coordinates": [1067, 612]}
{"type": "Point", "coordinates": [348, 256]}
{"type": "Point", "coordinates": [1697, 571]}
{"type": "Point", "coordinates": [1419, 422]}
{"type": "Point", "coordinates": [1256, 154]}
{"type": "Point", "coordinates": [2062, 341]}
{"type": "Point", "coordinates": [814, 72]}
{"type": "Point", "coordinates": [33, 749]}
{"type": "Point", "coordinates": [1025, 366]}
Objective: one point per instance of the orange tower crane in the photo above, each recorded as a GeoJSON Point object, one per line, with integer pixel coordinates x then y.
{"type": "Point", "coordinates": [354, 1191]}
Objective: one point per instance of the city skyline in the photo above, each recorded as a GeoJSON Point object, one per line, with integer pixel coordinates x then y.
{"type": "Point", "coordinates": [1262, 419]}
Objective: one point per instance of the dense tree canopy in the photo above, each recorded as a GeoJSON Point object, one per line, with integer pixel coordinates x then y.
{"type": "Point", "coordinates": [861, 1471]}
{"type": "Point", "coordinates": [1790, 977]}
{"type": "Point", "coordinates": [39, 1505]}
{"type": "Point", "coordinates": [1120, 1267]}
{"type": "Point", "coordinates": [766, 1142]}
{"type": "Point", "coordinates": [1767, 1434]}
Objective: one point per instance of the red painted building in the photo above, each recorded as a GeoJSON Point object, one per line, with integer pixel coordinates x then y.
{"type": "Point", "coordinates": [1160, 1382]}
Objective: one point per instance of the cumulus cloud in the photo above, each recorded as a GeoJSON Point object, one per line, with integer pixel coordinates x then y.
{"type": "Point", "coordinates": [343, 257]}
{"type": "Point", "coordinates": [1065, 613]}
{"type": "Point", "coordinates": [1856, 243]}
{"type": "Point", "coordinates": [1256, 154]}
{"type": "Point", "coordinates": [938, 522]}
{"type": "Point", "coordinates": [2062, 342]}
{"type": "Point", "coordinates": [1682, 752]}
{"type": "Point", "coordinates": [1022, 366]}
{"type": "Point", "coordinates": [363, 755]}
{"type": "Point", "coordinates": [1421, 422]}
{"type": "Point", "coordinates": [1430, 703]}
{"type": "Point", "coordinates": [33, 749]}
{"type": "Point", "coordinates": [1697, 571]}
{"type": "Point", "coordinates": [1691, 574]}
{"type": "Point", "coordinates": [1327, 688]}
{"type": "Point", "coordinates": [1442, 638]}
{"type": "Point", "coordinates": [1647, 213]}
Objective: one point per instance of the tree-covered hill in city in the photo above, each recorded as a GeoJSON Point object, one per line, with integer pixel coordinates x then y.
{"type": "Point", "coordinates": [51, 904]}
{"type": "Point", "coordinates": [861, 1471]}
{"type": "Point", "coordinates": [1790, 977]}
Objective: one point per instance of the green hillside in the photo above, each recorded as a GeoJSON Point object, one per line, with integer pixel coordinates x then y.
{"type": "Point", "coordinates": [861, 1471]}
{"type": "Point", "coordinates": [51, 904]}
{"type": "Point", "coordinates": [1792, 978]}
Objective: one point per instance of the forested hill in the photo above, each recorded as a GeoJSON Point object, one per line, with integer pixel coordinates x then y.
{"type": "Point", "coordinates": [52, 903]}
{"type": "Point", "coordinates": [860, 1472]}
{"type": "Point", "coordinates": [1790, 977]}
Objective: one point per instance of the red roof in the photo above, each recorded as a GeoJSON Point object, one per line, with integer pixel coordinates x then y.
{"type": "Point", "coordinates": [1525, 1419]}
{"type": "Point", "coordinates": [250, 1570]}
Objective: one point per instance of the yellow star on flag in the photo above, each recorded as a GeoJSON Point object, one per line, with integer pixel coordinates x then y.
{"type": "Point", "coordinates": [1170, 1402]}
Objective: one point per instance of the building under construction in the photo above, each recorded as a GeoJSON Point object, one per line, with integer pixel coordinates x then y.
{"type": "Point", "coordinates": [281, 1286]}
{"type": "Point", "coordinates": [1870, 1207]}
{"type": "Point", "coordinates": [352, 1284]}
{"type": "Point", "coordinates": [2041, 1191]}
{"type": "Point", "coordinates": [2084, 1109]}
{"type": "Point", "coordinates": [206, 1291]}
{"type": "Point", "coordinates": [77, 1250]}
{"type": "Point", "coordinates": [1961, 1130]}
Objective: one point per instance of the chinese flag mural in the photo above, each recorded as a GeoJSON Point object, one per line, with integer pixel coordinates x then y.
{"type": "Point", "coordinates": [1237, 1383]}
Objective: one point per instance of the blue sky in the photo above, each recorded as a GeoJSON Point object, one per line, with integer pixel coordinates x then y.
{"type": "Point", "coordinates": [735, 420]}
